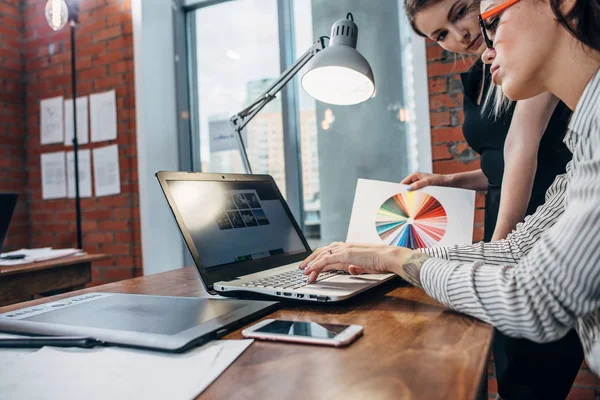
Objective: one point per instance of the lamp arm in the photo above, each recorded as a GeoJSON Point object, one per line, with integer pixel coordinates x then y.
{"type": "Point", "coordinates": [241, 119]}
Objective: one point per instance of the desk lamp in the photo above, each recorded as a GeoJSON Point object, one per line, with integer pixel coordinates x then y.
{"type": "Point", "coordinates": [337, 75]}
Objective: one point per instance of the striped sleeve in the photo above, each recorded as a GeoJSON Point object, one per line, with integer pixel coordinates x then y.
{"type": "Point", "coordinates": [554, 286]}
{"type": "Point", "coordinates": [520, 241]}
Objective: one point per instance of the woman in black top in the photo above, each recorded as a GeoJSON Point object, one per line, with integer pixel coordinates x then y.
{"type": "Point", "coordinates": [514, 165]}
{"type": "Point", "coordinates": [486, 135]}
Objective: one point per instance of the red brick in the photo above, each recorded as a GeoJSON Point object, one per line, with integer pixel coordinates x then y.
{"type": "Point", "coordinates": [440, 152]}
{"type": "Point", "coordinates": [90, 27]}
{"type": "Point", "coordinates": [438, 68]}
{"type": "Point", "coordinates": [114, 226]}
{"type": "Point", "coordinates": [11, 9]}
{"type": "Point", "coordinates": [581, 394]}
{"type": "Point", "coordinates": [99, 214]}
{"type": "Point", "coordinates": [92, 73]}
{"type": "Point", "coordinates": [116, 249]}
{"type": "Point", "coordinates": [587, 378]}
{"type": "Point", "coordinates": [118, 274]}
{"type": "Point", "coordinates": [440, 135]}
{"type": "Point", "coordinates": [434, 52]}
{"type": "Point", "coordinates": [437, 85]}
{"type": "Point", "coordinates": [453, 166]}
{"type": "Point", "coordinates": [107, 33]}
{"type": "Point", "coordinates": [107, 11]}
{"type": "Point", "coordinates": [442, 100]}
{"type": "Point", "coordinates": [99, 237]}
{"type": "Point", "coordinates": [479, 216]}
{"type": "Point", "coordinates": [477, 234]}
{"type": "Point", "coordinates": [480, 200]}
{"type": "Point", "coordinates": [492, 386]}
{"type": "Point", "coordinates": [440, 118]}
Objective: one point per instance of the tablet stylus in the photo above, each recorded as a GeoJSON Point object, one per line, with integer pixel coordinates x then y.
{"type": "Point", "coordinates": [56, 341]}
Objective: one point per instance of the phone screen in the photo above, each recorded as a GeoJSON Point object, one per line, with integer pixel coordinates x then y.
{"type": "Point", "coordinates": [307, 329]}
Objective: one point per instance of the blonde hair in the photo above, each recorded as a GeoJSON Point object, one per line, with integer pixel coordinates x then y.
{"type": "Point", "coordinates": [496, 102]}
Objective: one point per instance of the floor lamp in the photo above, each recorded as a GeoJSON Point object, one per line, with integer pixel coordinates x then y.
{"type": "Point", "coordinates": [337, 74]}
{"type": "Point", "coordinates": [58, 13]}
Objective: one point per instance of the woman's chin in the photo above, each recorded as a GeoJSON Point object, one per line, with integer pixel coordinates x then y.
{"type": "Point", "coordinates": [515, 91]}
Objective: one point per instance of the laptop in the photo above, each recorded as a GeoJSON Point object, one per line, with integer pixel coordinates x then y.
{"type": "Point", "coordinates": [8, 202]}
{"type": "Point", "coordinates": [245, 241]}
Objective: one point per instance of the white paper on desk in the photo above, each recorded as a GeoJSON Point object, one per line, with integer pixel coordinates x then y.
{"type": "Point", "coordinates": [54, 184]}
{"type": "Point", "coordinates": [82, 121]}
{"type": "Point", "coordinates": [51, 120]}
{"type": "Point", "coordinates": [107, 179]}
{"type": "Point", "coordinates": [37, 255]}
{"type": "Point", "coordinates": [386, 213]}
{"type": "Point", "coordinates": [85, 173]}
{"type": "Point", "coordinates": [103, 116]}
{"type": "Point", "coordinates": [113, 373]}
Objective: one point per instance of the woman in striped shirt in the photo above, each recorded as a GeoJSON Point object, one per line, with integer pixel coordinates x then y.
{"type": "Point", "coordinates": [544, 278]}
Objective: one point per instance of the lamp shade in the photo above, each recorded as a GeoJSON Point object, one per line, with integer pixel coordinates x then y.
{"type": "Point", "coordinates": [339, 74]}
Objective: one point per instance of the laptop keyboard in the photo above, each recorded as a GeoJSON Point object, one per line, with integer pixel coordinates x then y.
{"type": "Point", "coordinates": [293, 279]}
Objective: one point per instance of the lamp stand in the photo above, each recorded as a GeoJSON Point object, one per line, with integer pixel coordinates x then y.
{"type": "Point", "coordinates": [240, 120]}
{"type": "Point", "coordinates": [73, 23]}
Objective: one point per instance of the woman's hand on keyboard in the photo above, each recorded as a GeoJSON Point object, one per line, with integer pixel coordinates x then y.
{"type": "Point", "coordinates": [357, 258]}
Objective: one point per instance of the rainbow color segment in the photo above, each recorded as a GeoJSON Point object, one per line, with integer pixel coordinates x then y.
{"type": "Point", "coordinates": [411, 219]}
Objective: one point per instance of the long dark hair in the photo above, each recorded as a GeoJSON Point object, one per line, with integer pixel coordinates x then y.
{"type": "Point", "coordinates": [583, 21]}
{"type": "Point", "coordinates": [412, 7]}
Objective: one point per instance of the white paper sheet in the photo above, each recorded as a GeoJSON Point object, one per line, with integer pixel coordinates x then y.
{"type": "Point", "coordinates": [37, 255]}
{"type": "Point", "coordinates": [85, 173]}
{"type": "Point", "coordinates": [82, 121]}
{"type": "Point", "coordinates": [54, 183]}
{"type": "Point", "coordinates": [103, 116]}
{"type": "Point", "coordinates": [114, 373]}
{"type": "Point", "coordinates": [222, 137]}
{"type": "Point", "coordinates": [106, 170]}
{"type": "Point", "coordinates": [51, 120]}
{"type": "Point", "coordinates": [444, 219]}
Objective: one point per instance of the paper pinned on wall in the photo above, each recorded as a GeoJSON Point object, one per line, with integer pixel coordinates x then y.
{"type": "Point", "coordinates": [54, 184]}
{"type": "Point", "coordinates": [82, 121]}
{"type": "Point", "coordinates": [85, 173]}
{"type": "Point", "coordinates": [387, 213]}
{"type": "Point", "coordinates": [103, 116]}
{"type": "Point", "coordinates": [51, 120]}
{"type": "Point", "coordinates": [106, 170]}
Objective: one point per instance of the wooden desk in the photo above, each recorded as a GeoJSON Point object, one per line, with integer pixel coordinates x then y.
{"type": "Point", "coordinates": [22, 282]}
{"type": "Point", "coordinates": [412, 348]}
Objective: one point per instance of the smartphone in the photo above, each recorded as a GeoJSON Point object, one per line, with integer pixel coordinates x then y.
{"type": "Point", "coordinates": [304, 332]}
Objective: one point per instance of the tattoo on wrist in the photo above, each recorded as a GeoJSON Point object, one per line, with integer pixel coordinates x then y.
{"type": "Point", "coordinates": [412, 268]}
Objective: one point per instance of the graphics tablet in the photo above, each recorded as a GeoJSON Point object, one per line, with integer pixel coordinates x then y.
{"type": "Point", "coordinates": [151, 322]}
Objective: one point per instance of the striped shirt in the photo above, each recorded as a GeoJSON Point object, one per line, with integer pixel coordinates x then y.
{"type": "Point", "coordinates": [544, 278]}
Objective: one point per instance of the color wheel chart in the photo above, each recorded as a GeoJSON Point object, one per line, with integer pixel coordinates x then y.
{"type": "Point", "coordinates": [411, 219]}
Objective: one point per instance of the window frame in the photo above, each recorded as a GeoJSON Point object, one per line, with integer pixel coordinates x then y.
{"type": "Point", "coordinates": [185, 42]}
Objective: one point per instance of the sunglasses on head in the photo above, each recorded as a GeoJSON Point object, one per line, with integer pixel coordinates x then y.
{"type": "Point", "coordinates": [488, 16]}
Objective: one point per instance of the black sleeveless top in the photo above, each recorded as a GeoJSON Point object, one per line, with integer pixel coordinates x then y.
{"type": "Point", "coordinates": [486, 136]}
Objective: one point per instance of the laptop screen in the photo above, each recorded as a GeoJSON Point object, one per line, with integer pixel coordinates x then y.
{"type": "Point", "coordinates": [233, 222]}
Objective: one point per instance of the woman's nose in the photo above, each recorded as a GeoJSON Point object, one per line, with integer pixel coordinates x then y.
{"type": "Point", "coordinates": [488, 56]}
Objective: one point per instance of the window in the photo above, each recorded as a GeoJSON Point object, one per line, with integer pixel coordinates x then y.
{"type": "Point", "coordinates": [314, 151]}
{"type": "Point", "coordinates": [235, 65]}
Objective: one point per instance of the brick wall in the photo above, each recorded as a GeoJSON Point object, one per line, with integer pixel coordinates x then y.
{"type": "Point", "coordinates": [13, 175]}
{"type": "Point", "coordinates": [451, 154]}
{"type": "Point", "coordinates": [104, 43]}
